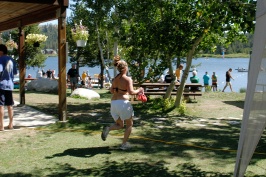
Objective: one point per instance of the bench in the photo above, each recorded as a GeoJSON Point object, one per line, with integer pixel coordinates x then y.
{"type": "Point", "coordinates": [185, 94]}
{"type": "Point", "coordinates": [174, 93]}
{"type": "Point", "coordinates": [160, 89]}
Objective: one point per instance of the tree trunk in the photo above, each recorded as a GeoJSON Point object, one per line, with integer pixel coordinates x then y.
{"type": "Point", "coordinates": [190, 54]}
{"type": "Point", "coordinates": [101, 77]}
{"type": "Point", "coordinates": [115, 53]}
{"type": "Point", "coordinates": [180, 90]}
{"type": "Point", "coordinates": [101, 55]}
{"type": "Point", "coordinates": [172, 85]}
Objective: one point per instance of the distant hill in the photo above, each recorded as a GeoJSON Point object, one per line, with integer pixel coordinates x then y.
{"type": "Point", "coordinates": [51, 31]}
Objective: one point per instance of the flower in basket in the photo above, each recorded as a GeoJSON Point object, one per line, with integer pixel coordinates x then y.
{"type": "Point", "coordinates": [35, 38]}
{"type": "Point", "coordinates": [80, 32]}
{"type": "Point", "coordinates": [10, 44]}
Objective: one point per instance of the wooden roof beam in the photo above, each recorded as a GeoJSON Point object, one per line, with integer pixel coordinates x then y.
{"type": "Point", "coordinates": [54, 2]}
{"type": "Point", "coordinates": [28, 20]}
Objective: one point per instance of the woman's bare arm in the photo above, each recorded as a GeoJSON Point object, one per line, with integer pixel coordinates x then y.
{"type": "Point", "coordinates": [130, 87]}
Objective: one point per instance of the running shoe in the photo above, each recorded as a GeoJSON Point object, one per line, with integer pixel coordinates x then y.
{"type": "Point", "coordinates": [125, 146]}
{"type": "Point", "coordinates": [105, 133]}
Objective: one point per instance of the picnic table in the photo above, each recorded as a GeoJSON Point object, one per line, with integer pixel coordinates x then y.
{"type": "Point", "coordinates": [29, 79]}
{"type": "Point", "coordinates": [191, 89]}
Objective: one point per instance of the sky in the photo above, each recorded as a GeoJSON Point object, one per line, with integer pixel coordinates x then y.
{"type": "Point", "coordinates": [55, 21]}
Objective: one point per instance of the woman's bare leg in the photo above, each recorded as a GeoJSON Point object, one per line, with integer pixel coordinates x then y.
{"type": "Point", "coordinates": [117, 126]}
{"type": "Point", "coordinates": [129, 125]}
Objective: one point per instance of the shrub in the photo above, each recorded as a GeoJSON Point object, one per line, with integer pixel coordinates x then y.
{"type": "Point", "coordinates": [208, 88]}
{"type": "Point", "coordinates": [78, 97]}
{"type": "Point", "coordinates": [182, 108]}
{"type": "Point", "coordinates": [242, 90]}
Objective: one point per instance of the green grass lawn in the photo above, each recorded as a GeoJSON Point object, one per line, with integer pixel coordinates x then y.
{"type": "Point", "coordinates": [198, 144]}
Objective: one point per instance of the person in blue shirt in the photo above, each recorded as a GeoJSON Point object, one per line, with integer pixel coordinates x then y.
{"type": "Point", "coordinates": [206, 79]}
{"type": "Point", "coordinates": [7, 71]}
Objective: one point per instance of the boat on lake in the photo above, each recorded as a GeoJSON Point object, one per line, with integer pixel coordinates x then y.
{"type": "Point", "coordinates": [242, 70]}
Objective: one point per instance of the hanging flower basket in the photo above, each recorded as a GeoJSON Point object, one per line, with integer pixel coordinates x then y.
{"type": "Point", "coordinates": [81, 43]}
{"type": "Point", "coordinates": [80, 34]}
{"type": "Point", "coordinates": [35, 39]}
{"type": "Point", "coordinates": [10, 44]}
{"type": "Point", "coordinates": [9, 48]}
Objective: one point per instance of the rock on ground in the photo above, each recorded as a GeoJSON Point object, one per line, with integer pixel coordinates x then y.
{"type": "Point", "coordinates": [86, 93]}
{"type": "Point", "coordinates": [43, 85]}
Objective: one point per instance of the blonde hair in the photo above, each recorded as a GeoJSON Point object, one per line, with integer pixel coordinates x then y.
{"type": "Point", "coordinates": [116, 60]}
{"type": "Point", "coordinates": [120, 64]}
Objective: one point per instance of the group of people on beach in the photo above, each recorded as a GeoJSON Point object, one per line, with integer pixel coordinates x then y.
{"type": "Point", "coordinates": [195, 79]}
{"type": "Point", "coordinates": [214, 78]}
{"type": "Point", "coordinates": [50, 74]}
{"type": "Point", "coordinates": [86, 81]}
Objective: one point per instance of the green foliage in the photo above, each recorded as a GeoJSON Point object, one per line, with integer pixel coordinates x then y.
{"type": "Point", "coordinates": [182, 108]}
{"type": "Point", "coordinates": [168, 103]}
{"type": "Point", "coordinates": [155, 104]}
{"type": "Point", "coordinates": [33, 55]}
{"type": "Point", "coordinates": [160, 104]}
{"type": "Point", "coordinates": [51, 31]}
{"type": "Point", "coordinates": [78, 97]}
{"type": "Point", "coordinates": [159, 32]}
{"type": "Point", "coordinates": [236, 47]}
{"type": "Point", "coordinates": [242, 90]}
{"type": "Point", "coordinates": [208, 88]}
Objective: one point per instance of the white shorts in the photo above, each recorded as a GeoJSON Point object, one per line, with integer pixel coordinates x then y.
{"type": "Point", "coordinates": [122, 109]}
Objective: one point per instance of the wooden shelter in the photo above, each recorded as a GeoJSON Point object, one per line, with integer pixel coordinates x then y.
{"type": "Point", "coordinates": [20, 13]}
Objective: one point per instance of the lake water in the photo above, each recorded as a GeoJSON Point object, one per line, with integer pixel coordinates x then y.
{"type": "Point", "coordinates": [218, 65]}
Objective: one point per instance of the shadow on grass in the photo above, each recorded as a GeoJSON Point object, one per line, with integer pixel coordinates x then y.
{"type": "Point", "coordinates": [83, 152]}
{"type": "Point", "coordinates": [124, 169]}
{"type": "Point", "coordinates": [214, 141]}
{"type": "Point", "coordinates": [239, 104]}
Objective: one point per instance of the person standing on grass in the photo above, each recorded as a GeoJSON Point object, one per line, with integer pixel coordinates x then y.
{"type": "Point", "coordinates": [206, 79]}
{"type": "Point", "coordinates": [72, 76]}
{"type": "Point", "coordinates": [214, 82]}
{"type": "Point", "coordinates": [228, 77]}
{"type": "Point", "coordinates": [8, 70]}
{"type": "Point", "coordinates": [121, 108]}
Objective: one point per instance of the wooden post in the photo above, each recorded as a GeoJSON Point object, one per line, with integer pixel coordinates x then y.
{"type": "Point", "coordinates": [62, 58]}
{"type": "Point", "coordinates": [22, 66]}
